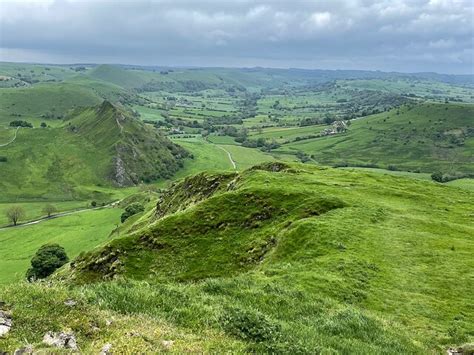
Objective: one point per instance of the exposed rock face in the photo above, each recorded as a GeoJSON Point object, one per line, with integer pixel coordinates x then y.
{"type": "Point", "coordinates": [337, 127]}
{"type": "Point", "coordinates": [60, 340]}
{"type": "Point", "coordinates": [5, 323]}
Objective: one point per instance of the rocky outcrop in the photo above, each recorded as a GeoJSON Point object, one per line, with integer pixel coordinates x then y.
{"type": "Point", "coordinates": [60, 340]}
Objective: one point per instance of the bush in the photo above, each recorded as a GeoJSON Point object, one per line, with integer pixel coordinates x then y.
{"type": "Point", "coordinates": [392, 167]}
{"type": "Point", "coordinates": [250, 325]}
{"type": "Point", "coordinates": [437, 176]}
{"type": "Point", "coordinates": [130, 210]}
{"type": "Point", "coordinates": [3, 159]}
{"type": "Point", "coordinates": [47, 259]}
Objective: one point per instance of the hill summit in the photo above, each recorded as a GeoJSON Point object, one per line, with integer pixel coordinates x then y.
{"type": "Point", "coordinates": [136, 152]}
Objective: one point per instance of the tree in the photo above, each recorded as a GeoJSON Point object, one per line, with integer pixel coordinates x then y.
{"type": "Point", "coordinates": [49, 210]}
{"type": "Point", "coordinates": [130, 210]}
{"type": "Point", "coordinates": [14, 214]}
{"type": "Point", "coordinates": [94, 204]}
{"type": "Point", "coordinates": [43, 125]}
{"type": "Point", "coordinates": [47, 259]}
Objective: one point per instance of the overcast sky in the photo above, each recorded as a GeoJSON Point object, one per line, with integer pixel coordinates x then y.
{"type": "Point", "coordinates": [404, 35]}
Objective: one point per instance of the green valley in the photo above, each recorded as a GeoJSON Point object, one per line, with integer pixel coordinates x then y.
{"type": "Point", "coordinates": [241, 210]}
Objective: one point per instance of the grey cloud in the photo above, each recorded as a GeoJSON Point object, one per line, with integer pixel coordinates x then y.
{"type": "Point", "coordinates": [406, 35]}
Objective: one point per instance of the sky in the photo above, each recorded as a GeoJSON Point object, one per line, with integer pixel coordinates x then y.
{"type": "Point", "coordinates": [388, 35]}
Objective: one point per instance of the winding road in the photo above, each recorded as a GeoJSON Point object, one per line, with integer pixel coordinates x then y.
{"type": "Point", "coordinates": [14, 137]}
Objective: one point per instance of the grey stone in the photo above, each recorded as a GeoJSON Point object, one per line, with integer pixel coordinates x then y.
{"type": "Point", "coordinates": [60, 340]}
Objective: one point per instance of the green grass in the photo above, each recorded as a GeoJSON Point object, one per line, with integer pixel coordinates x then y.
{"type": "Point", "coordinates": [427, 138]}
{"type": "Point", "coordinates": [306, 258]}
{"type": "Point", "coordinates": [43, 99]}
{"type": "Point", "coordinates": [77, 161]}
{"type": "Point", "coordinates": [76, 233]}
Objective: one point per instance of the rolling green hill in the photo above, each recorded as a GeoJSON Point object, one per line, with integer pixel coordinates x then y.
{"type": "Point", "coordinates": [277, 258]}
{"type": "Point", "coordinates": [98, 146]}
{"type": "Point", "coordinates": [119, 76]}
{"type": "Point", "coordinates": [427, 137]}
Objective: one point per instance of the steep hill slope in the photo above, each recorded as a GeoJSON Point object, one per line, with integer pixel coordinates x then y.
{"type": "Point", "coordinates": [99, 146]}
{"type": "Point", "coordinates": [427, 137]}
{"type": "Point", "coordinates": [139, 152]}
{"type": "Point", "coordinates": [298, 259]}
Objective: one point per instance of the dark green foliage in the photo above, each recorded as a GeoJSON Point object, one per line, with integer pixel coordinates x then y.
{"type": "Point", "coordinates": [437, 176]}
{"type": "Point", "coordinates": [130, 210]}
{"type": "Point", "coordinates": [19, 123]}
{"type": "Point", "coordinates": [94, 204]}
{"type": "Point", "coordinates": [47, 259]}
{"type": "Point", "coordinates": [3, 159]}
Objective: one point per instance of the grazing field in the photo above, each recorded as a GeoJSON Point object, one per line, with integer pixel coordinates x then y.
{"type": "Point", "coordinates": [76, 233]}
{"type": "Point", "coordinates": [426, 138]}
{"type": "Point", "coordinates": [338, 260]}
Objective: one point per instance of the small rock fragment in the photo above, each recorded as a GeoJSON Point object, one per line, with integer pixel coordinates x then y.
{"type": "Point", "coordinates": [167, 344]}
{"type": "Point", "coordinates": [28, 349]}
{"type": "Point", "coordinates": [106, 349]}
{"type": "Point", "coordinates": [70, 303]}
{"type": "Point", "coordinates": [5, 323]}
{"type": "Point", "coordinates": [60, 340]}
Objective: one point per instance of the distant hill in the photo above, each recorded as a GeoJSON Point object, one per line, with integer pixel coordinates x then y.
{"type": "Point", "coordinates": [125, 78]}
{"type": "Point", "coordinates": [426, 137]}
{"type": "Point", "coordinates": [99, 146]}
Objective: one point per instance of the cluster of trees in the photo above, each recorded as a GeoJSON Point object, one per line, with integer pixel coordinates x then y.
{"type": "Point", "coordinates": [20, 123]}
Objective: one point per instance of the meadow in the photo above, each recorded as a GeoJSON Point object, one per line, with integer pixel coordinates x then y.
{"type": "Point", "coordinates": [76, 233]}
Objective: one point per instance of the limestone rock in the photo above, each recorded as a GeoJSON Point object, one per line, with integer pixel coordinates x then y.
{"type": "Point", "coordinates": [5, 323]}
{"type": "Point", "coordinates": [60, 340]}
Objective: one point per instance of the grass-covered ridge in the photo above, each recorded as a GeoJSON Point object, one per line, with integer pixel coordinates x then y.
{"type": "Point", "coordinates": [96, 147]}
{"type": "Point", "coordinates": [284, 258]}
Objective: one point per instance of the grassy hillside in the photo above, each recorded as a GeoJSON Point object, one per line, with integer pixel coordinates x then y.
{"type": "Point", "coordinates": [279, 259]}
{"type": "Point", "coordinates": [119, 76]}
{"type": "Point", "coordinates": [99, 146]}
{"type": "Point", "coordinates": [427, 137]}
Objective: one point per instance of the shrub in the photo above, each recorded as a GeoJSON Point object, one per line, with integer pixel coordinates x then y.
{"type": "Point", "coordinates": [94, 204]}
{"type": "Point", "coordinates": [392, 167]}
{"type": "Point", "coordinates": [3, 159]}
{"type": "Point", "coordinates": [47, 259]}
{"type": "Point", "coordinates": [437, 176]}
{"type": "Point", "coordinates": [130, 210]}
{"type": "Point", "coordinates": [250, 325]}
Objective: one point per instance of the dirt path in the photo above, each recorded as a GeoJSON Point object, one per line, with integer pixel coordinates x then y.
{"type": "Point", "coordinates": [58, 215]}
{"type": "Point", "coordinates": [14, 137]}
{"type": "Point", "coordinates": [229, 155]}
